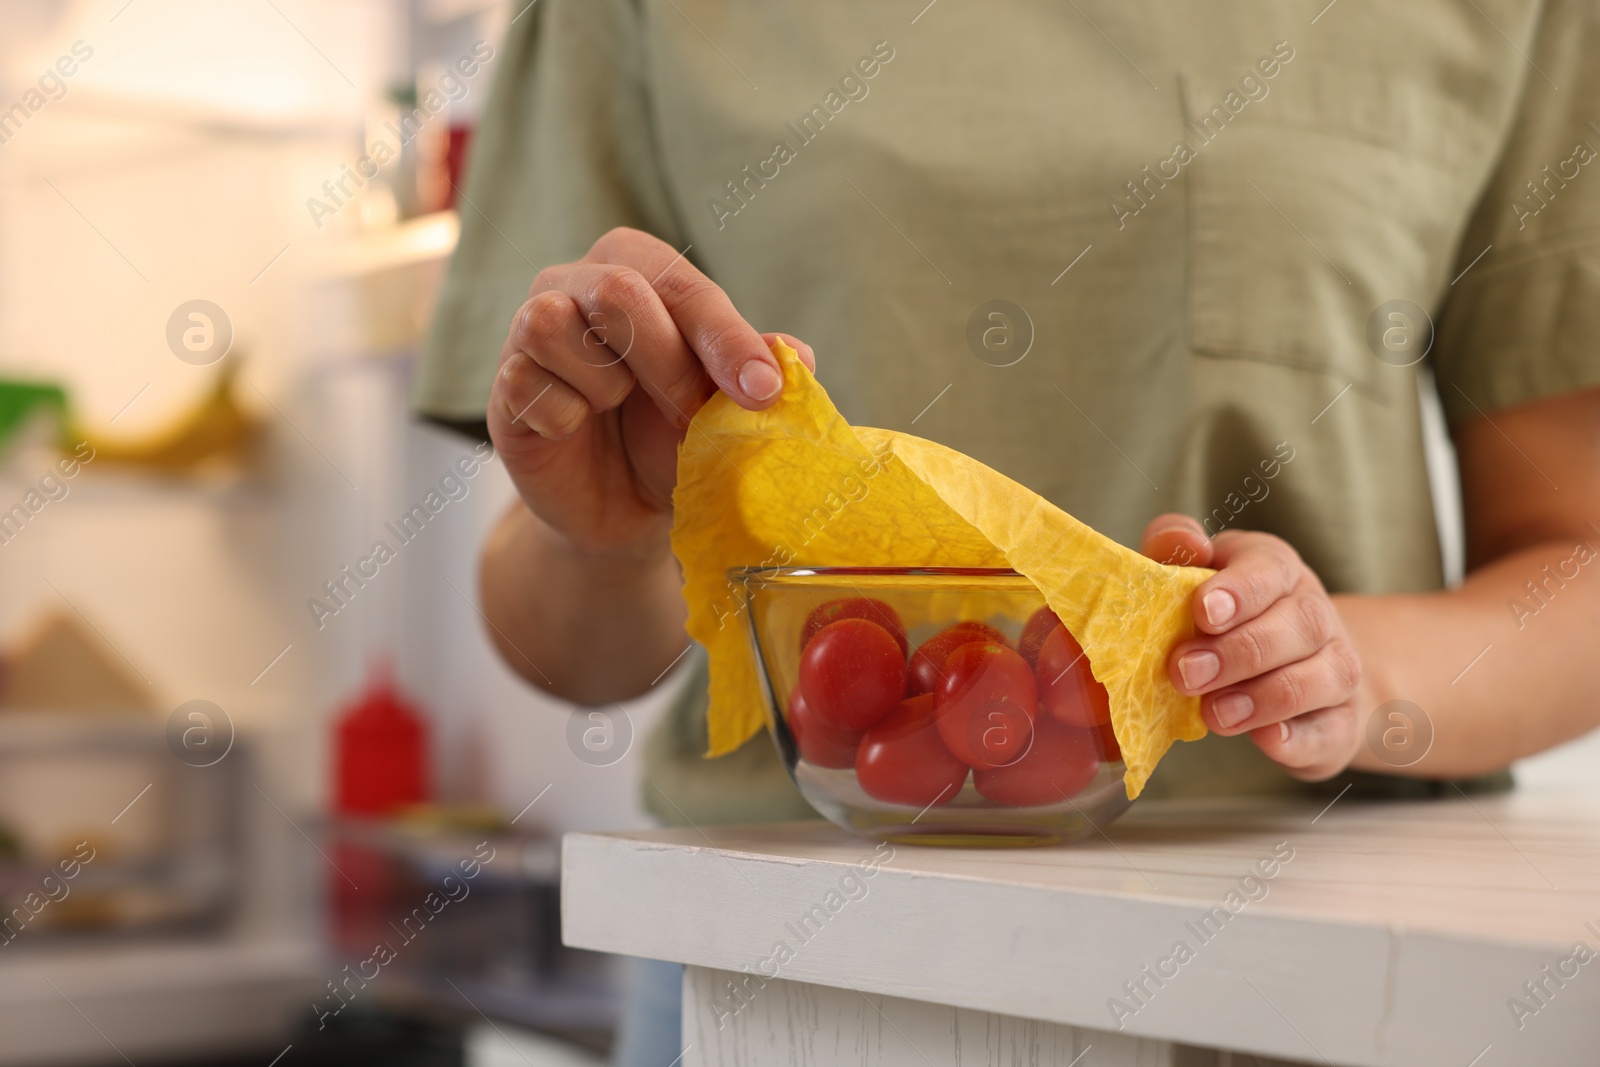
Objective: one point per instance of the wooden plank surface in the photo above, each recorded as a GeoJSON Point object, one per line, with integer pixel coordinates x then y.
{"type": "Point", "coordinates": [731, 1023]}
{"type": "Point", "coordinates": [1360, 934]}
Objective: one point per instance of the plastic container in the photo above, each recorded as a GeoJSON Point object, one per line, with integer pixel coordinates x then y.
{"type": "Point", "coordinates": [998, 737]}
{"type": "Point", "coordinates": [380, 750]}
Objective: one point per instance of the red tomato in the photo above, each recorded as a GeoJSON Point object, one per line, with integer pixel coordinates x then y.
{"type": "Point", "coordinates": [856, 607]}
{"type": "Point", "coordinates": [1033, 634]}
{"type": "Point", "coordinates": [1067, 687]}
{"type": "Point", "coordinates": [1110, 751]}
{"type": "Point", "coordinates": [927, 665]}
{"type": "Point", "coordinates": [986, 704]}
{"type": "Point", "coordinates": [852, 674]}
{"type": "Point", "coordinates": [1061, 761]}
{"type": "Point", "coordinates": [903, 761]}
{"type": "Point", "coordinates": [819, 743]}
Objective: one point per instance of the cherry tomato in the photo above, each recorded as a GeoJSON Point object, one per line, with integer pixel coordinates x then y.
{"type": "Point", "coordinates": [1110, 750]}
{"type": "Point", "coordinates": [986, 704]}
{"type": "Point", "coordinates": [1061, 761]}
{"type": "Point", "coordinates": [1033, 634]}
{"type": "Point", "coordinates": [903, 761]}
{"type": "Point", "coordinates": [852, 674]}
{"type": "Point", "coordinates": [1067, 687]}
{"type": "Point", "coordinates": [927, 664]}
{"type": "Point", "coordinates": [855, 607]}
{"type": "Point", "coordinates": [819, 743]}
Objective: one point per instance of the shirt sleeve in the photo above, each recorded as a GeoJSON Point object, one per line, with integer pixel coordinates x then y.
{"type": "Point", "coordinates": [1523, 322]}
{"type": "Point", "coordinates": [564, 152]}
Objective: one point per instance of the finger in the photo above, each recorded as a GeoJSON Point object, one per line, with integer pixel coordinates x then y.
{"type": "Point", "coordinates": [550, 328]}
{"type": "Point", "coordinates": [636, 322]}
{"type": "Point", "coordinates": [652, 449]}
{"type": "Point", "coordinates": [807, 356]}
{"type": "Point", "coordinates": [1312, 746]}
{"type": "Point", "coordinates": [1291, 629]}
{"type": "Point", "coordinates": [1177, 539]}
{"type": "Point", "coordinates": [528, 399]}
{"type": "Point", "coordinates": [1321, 680]}
{"type": "Point", "coordinates": [1255, 570]}
{"type": "Point", "coordinates": [730, 349]}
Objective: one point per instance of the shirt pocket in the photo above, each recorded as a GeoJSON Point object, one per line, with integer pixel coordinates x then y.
{"type": "Point", "coordinates": [1313, 206]}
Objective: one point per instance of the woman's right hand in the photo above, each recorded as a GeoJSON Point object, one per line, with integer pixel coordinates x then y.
{"type": "Point", "coordinates": [603, 368]}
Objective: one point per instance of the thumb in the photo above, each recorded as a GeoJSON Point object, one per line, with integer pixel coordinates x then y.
{"type": "Point", "coordinates": [1176, 538]}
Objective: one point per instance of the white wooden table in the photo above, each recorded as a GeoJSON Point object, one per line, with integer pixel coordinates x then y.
{"type": "Point", "coordinates": [1397, 934]}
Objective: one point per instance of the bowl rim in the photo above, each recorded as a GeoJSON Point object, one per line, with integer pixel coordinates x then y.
{"type": "Point", "coordinates": [746, 574]}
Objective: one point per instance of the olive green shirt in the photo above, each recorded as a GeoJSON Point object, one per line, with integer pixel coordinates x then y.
{"type": "Point", "coordinates": [1198, 220]}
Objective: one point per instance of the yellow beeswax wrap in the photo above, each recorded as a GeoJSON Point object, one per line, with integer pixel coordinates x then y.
{"type": "Point", "coordinates": [749, 481]}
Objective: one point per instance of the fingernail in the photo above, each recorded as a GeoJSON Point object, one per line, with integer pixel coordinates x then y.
{"type": "Point", "coordinates": [760, 380]}
{"type": "Point", "coordinates": [1231, 709]}
{"type": "Point", "coordinates": [1198, 668]}
{"type": "Point", "coordinates": [1283, 732]}
{"type": "Point", "coordinates": [1220, 607]}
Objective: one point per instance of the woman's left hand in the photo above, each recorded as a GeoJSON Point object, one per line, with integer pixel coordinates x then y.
{"type": "Point", "coordinates": [1272, 657]}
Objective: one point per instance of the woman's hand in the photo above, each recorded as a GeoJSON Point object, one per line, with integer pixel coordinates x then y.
{"type": "Point", "coordinates": [1274, 658]}
{"type": "Point", "coordinates": [603, 367]}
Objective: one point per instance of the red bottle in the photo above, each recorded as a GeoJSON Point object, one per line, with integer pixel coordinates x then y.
{"type": "Point", "coordinates": [380, 751]}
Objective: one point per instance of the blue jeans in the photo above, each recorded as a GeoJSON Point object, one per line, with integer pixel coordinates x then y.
{"type": "Point", "coordinates": [650, 1029]}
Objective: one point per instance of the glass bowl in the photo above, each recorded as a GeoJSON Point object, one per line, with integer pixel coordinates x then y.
{"type": "Point", "coordinates": [995, 736]}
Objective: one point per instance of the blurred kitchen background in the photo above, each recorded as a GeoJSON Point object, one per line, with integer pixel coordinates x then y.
{"type": "Point", "coordinates": [217, 799]}
{"type": "Point", "coordinates": [208, 321]}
